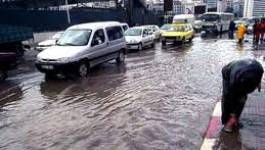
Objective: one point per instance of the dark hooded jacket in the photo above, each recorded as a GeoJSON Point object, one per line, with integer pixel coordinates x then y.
{"type": "Point", "coordinates": [243, 76]}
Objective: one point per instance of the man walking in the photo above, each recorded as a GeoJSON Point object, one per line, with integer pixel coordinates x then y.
{"type": "Point", "coordinates": [232, 28]}
{"type": "Point", "coordinates": [239, 79]}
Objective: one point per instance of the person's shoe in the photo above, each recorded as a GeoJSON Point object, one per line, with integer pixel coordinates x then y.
{"type": "Point", "coordinates": [229, 126]}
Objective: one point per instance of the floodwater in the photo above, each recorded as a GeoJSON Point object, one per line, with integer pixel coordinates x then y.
{"type": "Point", "coordinates": [160, 99]}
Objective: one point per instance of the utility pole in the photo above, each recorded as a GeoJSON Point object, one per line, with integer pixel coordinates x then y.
{"type": "Point", "coordinates": [67, 12]}
{"type": "Point", "coordinates": [130, 11]}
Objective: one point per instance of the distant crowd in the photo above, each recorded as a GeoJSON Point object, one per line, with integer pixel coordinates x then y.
{"type": "Point", "coordinates": [241, 30]}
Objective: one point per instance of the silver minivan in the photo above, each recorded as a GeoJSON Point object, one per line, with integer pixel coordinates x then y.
{"type": "Point", "coordinates": [81, 47]}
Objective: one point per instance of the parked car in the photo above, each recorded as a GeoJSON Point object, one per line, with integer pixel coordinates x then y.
{"type": "Point", "coordinates": [139, 37]}
{"type": "Point", "coordinates": [155, 30]}
{"type": "Point", "coordinates": [50, 42]}
{"type": "Point", "coordinates": [125, 26]}
{"type": "Point", "coordinates": [178, 33]}
{"type": "Point", "coordinates": [81, 47]}
{"type": "Point", "coordinates": [7, 62]}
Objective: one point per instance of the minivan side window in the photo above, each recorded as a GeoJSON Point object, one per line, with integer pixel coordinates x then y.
{"type": "Point", "coordinates": [114, 33]}
{"type": "Point", "coordinates": [98, 38]}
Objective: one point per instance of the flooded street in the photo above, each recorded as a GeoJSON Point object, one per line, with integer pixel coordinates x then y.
{"type": "Point", "coordinates": [160, 99]}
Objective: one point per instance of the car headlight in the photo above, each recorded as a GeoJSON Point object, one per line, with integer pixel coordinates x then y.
{"type": "Point", "coordinates": [63, 59]}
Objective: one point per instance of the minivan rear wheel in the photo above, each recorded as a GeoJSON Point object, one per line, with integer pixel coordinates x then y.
{"type": "Point", "coordinates": [121, 57]}
{"type": "Point", "coordinates": [140, 47]}
{"type": "Point", "coordinates": [82, 70]}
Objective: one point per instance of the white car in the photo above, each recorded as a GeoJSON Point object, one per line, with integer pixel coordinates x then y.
{"type": "Point", "coordinates": [81, 47]}
{"type": "Point", "coordinates": [139, 37]}
{"type": "Point", "coordinates": [156, 31]}
{"type": "Point", "coordinates": [48, 43]}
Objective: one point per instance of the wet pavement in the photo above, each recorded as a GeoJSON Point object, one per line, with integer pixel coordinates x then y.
{"type": "Point", "coordinates": [159, 99]}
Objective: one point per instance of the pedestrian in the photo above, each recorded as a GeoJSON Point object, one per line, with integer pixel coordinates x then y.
{"type": "Point", "coordinates": [255, 31]}
{"type": "Point", "coordinates": [241, 31]}
{"type": "Point", "coordinates": [239, 79]}
{"type": "Point", "coordinates": [232, 28]}
{"type": "Point", "coordinates": [262, 30]}
{"type": "Point", "coordinates": [258, 32]}
{"type": "Point", "coordinates": [221, 31]}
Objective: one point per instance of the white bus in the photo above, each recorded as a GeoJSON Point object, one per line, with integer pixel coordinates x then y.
{"type": "Point", "coordinates": [216, 21]}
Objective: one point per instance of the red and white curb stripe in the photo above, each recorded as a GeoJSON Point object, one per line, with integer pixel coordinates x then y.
{"type": "Point", "coordinates": [213, 129]}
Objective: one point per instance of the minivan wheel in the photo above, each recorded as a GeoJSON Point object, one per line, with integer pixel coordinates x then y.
{"type": "Point", "coordinates": [140, 47]}
{"type": "Point", "coordinates": [183, 41]}
{"type": "Point", "coordinates": [82, 70]}
{"type": "Point", "coordinates": [121, 57]}
{"type": "Point", "coordinates": [190, 40]}
{"type": "Point", "coordinates": [3, 75]}
{"type": "Point", "coordinates": [153, 44]}
{"type": "Point", "coordinates": [163, 43]}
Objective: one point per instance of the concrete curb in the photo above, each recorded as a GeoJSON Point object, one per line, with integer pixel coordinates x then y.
{"type": "Point", "coordinates": [213, 129]}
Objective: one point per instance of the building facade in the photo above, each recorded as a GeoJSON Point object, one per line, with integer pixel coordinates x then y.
{"type": "Point", "coordinates": [254, 8]}
{"type": "Point", "coordinates": [178, 7]}
{"type": "Point", "coordinates": [212, 5]}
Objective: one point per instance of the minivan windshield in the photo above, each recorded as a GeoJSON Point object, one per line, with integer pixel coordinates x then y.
{"type": "Point", "coordinates": [210, 17]}
{"type": "Point", "coordinates": [179, 28]}
{"type": "Point", "coordinates": [133, 32]}
{"type": "Point", "coordinates": [75, 37]}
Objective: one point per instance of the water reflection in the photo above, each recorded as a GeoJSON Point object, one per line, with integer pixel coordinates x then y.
{"type": "Point", "coordinates": [227, 141]}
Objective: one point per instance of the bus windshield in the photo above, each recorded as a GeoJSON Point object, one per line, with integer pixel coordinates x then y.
{"type": "Point", "coordinates": [210, 17]}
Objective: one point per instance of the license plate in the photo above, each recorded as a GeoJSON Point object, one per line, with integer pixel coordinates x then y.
{"type": "Point", "coordinates": [48, 67]}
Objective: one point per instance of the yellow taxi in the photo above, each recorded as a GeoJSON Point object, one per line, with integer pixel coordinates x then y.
{"type": "Point", "coordinates": [177, 33]}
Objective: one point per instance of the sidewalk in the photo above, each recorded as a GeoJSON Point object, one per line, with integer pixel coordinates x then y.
{"type": "Point", "coordinates": [251, 136]}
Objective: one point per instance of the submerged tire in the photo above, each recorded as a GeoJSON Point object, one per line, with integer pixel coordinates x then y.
{"type": "Point", "coordinates": [82, 70]}
{"type": "Point", "coordinates": [140, 47]}
{"type": "Point", "coordinates": [153, 45]}
{"type": "Point", "coordinates": [121, 57]}
{"type": "Point", "coordinates": [163, 43]}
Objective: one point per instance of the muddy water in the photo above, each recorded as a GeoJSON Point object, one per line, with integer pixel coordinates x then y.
{"type": "Point", "coordinates": [159, 99]}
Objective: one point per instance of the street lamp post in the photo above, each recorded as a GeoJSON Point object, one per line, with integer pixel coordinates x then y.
{"type": "Point", "coordinates": [67, 12]}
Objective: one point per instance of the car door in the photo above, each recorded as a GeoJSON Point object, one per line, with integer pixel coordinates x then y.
{"type": "Point", "coordinates": [98, 44]}
{"type": "Point", "coordinates": [116, 40]}
{"type": "Point", "coordinates": [149, 36]}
